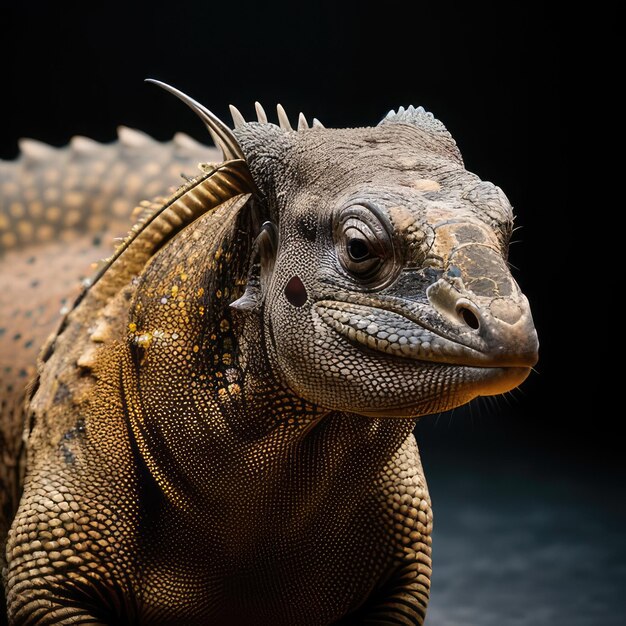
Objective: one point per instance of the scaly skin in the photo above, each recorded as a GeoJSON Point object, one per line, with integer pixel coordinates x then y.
{"type": "Point", "coordinates": [60, 211]}
{"type": "Point", "coordinates": [221, 429]}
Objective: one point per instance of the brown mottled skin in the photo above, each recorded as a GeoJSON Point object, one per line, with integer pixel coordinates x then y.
{"type": "Point", "coordinates": [220, 430]}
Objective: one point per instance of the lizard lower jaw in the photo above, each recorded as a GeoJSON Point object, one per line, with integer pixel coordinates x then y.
{"type": "Point", "coordinates": [465, 383]}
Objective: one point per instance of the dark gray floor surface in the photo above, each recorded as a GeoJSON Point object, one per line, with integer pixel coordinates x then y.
{"type": "Point", "coordinates": [526, 539]}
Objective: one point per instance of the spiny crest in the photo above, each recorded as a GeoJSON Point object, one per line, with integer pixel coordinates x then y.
{"type": "Point", "coordinates": [34, 151]}
{"type": "Point", "coordinates": [227, 139]}
{"type": "Point", "coordinates": [283, 118]}
{"type": "Point", "coordinates": [424, 120]}
{"type": "Point", "coordinates": [416, 116]}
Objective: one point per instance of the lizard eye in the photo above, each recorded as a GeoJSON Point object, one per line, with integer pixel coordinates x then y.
{"type": "Point", "coordinates": [363, 243]}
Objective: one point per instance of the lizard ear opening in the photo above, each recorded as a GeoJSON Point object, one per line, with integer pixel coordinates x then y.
{"type": "Point", "coordinates": [261, 266]}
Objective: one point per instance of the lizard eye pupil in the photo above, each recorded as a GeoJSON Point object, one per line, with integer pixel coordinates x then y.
{"type": "Point", "coordinates": [358, 250]}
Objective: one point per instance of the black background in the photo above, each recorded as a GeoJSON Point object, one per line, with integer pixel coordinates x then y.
{"type": "Point", "coordinates": [490, 73]}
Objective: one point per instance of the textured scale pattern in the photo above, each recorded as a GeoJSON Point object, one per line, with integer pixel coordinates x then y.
{"type": "Point", "coordinates": [219, 428]}
{"type": "Point", "coordinates": [60, 212]}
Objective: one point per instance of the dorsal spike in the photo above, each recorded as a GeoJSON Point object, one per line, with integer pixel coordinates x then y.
{"type": "Point", "coordinates": [260, 113]}
{"type": "Point", "coordinates": [222, 134]}
{"type": "Point", "coordinates": [317, 123]}
{"type": "Point", "coordinates": [35, 150]}
{"type": "Point", "coordinates": [302, 122]}
{"type": "Point", "coordinates": [133, 138]}
{"type": "Point", "coordinates": [283, 120]}
{"type": "Point", "coordinates": [238, 118]}
{"type": "Point", "coordinates": [84, 145]}
{"type": "Point", "coordinates": [182, 140]}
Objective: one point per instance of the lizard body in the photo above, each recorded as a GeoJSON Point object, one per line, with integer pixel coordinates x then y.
{"type": "Point", "coordinates": [60, 211]}
{"type": "Point", "coordinates": [220, 430]}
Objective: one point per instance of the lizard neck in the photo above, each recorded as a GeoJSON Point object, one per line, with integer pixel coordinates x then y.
{"type": "Point", "coordinates": [240, 420]}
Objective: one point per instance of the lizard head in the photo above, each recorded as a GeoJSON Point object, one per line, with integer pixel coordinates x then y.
{"type": "Point", "coordinates": [380, 273]}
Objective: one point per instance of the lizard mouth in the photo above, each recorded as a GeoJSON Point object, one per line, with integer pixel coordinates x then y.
{"type": "Point", "coordinates": [394, 334]}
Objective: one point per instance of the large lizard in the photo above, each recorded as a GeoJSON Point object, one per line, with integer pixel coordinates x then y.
{"type": "Point", "coordinates": [220, 429]}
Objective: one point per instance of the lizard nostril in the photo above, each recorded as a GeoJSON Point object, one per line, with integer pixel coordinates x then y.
{"type": "Point", "coordinates": [469, 317]}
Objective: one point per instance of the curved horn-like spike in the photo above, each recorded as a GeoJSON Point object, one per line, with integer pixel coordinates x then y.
{"type": "Point", "coordinates": [317, 123]}
{"type": "Point", "coordinates": [283, 120]}
{"type": "Point", "coordinates": [238, 118]}
{"type": "Point", "coordinates": [302, 123]}
{"type": "Point", "coordinates": [260, 113]}
{"type": "Point", "coordinates": [222, 135]}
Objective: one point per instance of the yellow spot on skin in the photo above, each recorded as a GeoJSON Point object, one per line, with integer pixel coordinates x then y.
{"type": "Point", "coordinates": [183, 277]}
{"type": "Point", "coordinates": [217, 375]}
{"type": "Point", "coordinates": [227, 359]}
{"type": "Point", "coordinates": [132, 327]}
{"type": "Point", "coordinates": [201, 309]}
{"type": "Point", "coordinates": [200, 292]}
{"type": "Point", "coordinates": [95, 223]}
{"type": "Point", "coordinates": [17, 209]}
{"type": "Point", "coordinates": [224, 325]}
{"type": "Point", "coordinates": [35, 209]}
{"type": "Point", "coordinates": [45, 233]}
{"type": "Point", "coordinates": [222, 392]}
{"type": "Point", "coordinates": [234, 388]}
{"type": "Point", "coordinates": [53, 213]}
{"type": "Point", "coordinates": [72, 217]}
{"type": "Point", "coordinates": [218, 254]}
{"type": "Point", "coordinates": [121, 207]}
{"type": "Point", "coordinates": [175, 290]}
{"type": "Point", "coordinates": [218, 294]}
{"type": "Point", "coordinates": [73, 199]}
{"type": "Point", "coordinates": [9, 240]}
{"type": "Point", "coordinates": [69, 235]}
{"type": "Point", "coordinates": [25, 229]}
{"type": "Point", "coordinates": [196, 348]}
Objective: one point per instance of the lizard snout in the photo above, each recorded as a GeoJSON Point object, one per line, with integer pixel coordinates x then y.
{"type": "Point", "coordinates": [487, 308]}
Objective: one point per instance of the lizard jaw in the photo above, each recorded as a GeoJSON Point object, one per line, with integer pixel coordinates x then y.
{"type": "Point", "coordinates": [389, 332]}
